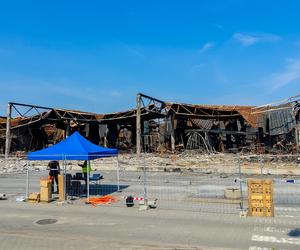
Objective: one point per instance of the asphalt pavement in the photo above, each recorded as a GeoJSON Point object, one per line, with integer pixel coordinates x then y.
{"type": "Point", "coordinates": [105, 227]}
{"type": "Point", "coordinates": [170, 226]}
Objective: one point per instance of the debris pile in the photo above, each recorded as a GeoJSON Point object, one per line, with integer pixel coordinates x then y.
{"type": "Point", "coordinates": [184, 162]}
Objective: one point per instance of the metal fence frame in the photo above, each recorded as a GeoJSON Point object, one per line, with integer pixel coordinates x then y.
{"type": "Point", "coordinates": [195, 191]}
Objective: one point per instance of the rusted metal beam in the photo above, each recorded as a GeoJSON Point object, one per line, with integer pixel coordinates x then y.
{"type": "Point", "coordinates": [209, 116]}
{"type": "Point", "coordinates": [150, 98]}
{"type": "Point", "coordinates": [29, 105]}
{"type": "Point", "coordinates": [218, 131]}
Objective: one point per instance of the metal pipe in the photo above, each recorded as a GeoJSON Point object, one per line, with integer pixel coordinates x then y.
{"type": "Point", "coordinates": [261, 165]}
{"type": "Point", "coordinates": [64, 178]}
{"type": "Point", "coordinates": [27, 180]}
{"type": "Point", "coordinates": [145, 180]}
{"type": "Point", "coordinates": [241, 186]}
{"type": "Point", "coordinates": [118, 174]}
{"type": "Point", "coordinates": [88, 181]}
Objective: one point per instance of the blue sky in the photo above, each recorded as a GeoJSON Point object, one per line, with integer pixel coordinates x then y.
{"type": "Point", "coordinates": [96, 55]}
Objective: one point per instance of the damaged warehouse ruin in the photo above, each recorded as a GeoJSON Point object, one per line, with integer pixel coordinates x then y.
{"type": "Point", "coordinates": [158, 126]}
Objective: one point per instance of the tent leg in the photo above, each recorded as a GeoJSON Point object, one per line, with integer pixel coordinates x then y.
{"type": "Point", "coordinates": [64, 177]}
{"type": "Point", "coordinates": [88, 181]}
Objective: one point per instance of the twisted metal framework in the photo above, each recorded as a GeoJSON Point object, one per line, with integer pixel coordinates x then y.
{"type": "Point", "coordinates": [147, 108]}
{"type": "Point", "coordinates": [37, 115]}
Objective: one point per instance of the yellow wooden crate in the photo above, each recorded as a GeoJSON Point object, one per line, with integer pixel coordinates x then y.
{"type": "Point", "coordinates": [260, 197]}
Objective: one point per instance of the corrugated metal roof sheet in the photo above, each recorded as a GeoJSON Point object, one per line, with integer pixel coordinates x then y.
{"type": "Point", "coordinates": [281, 121]}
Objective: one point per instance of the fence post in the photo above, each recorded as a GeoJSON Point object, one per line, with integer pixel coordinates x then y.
{"type": "Point", "coordinates": [65, 179]}
{"type": "Point", "coordinates": [241, 186]}
{"type": "Point", "coordinates": [118, 174]}
{"type": "Point", "coordinates": [145, 181]}
{"type": "Point", "coordinates": [88, 181]}
{"type": "Point", "coordinates": [27, 180]}
{"type": "Point", "coordinates": [261, 165]}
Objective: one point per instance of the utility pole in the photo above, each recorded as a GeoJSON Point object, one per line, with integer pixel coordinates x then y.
{"type": "Point", "coordinates": [8, 126]}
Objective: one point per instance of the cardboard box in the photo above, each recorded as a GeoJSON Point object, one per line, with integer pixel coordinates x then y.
{"type": "Point", "coordinates": [44, 182]}
{"type": "Point", "coordinates": [45, 194]}
{"type": "Point", "coordinates": [34, 197]}
{"type": "Point", "coordinates": [61, 188]}
{"type": "Point", "coordinates": [45, 190]}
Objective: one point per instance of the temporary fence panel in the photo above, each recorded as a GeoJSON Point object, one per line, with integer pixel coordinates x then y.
{"type": "Point", "coordinates": [285, 172]}
{"type": "Point", "coordinates": [214, 183]}
{"type": "Point", "coordinates": [178, 188]}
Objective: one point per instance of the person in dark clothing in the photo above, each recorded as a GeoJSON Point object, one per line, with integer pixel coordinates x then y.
{"type": "Point", "coordinates": [54, 171]}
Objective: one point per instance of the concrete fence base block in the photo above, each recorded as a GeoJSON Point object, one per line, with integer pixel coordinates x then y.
{"type": "Point", "coordinates": [61, 203]}
{"type": "Point", "coordinates": [3, 196]}
{"type": "Point", "coordinates": [143, 207]}
{"type": "Point", "coordinates": [141, 202]}
{"type": "Point", "coordinates": [243, 214]}
{"type": "Point", "coordinates": [153, 203]}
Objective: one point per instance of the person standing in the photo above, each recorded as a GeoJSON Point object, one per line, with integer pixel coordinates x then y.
{"type": "Point", "coordinates": [54, 171]}
{"type": "Point", "coordinates": [86, 169]}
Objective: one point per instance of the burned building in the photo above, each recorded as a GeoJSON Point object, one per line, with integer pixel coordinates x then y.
{"type": "Point", "coordinates": [157, 126]}
{"type": "Point", "coordinates": [280, 126]}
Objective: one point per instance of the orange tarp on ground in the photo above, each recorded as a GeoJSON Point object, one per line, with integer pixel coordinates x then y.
{"type": "Point", "coordinates": [107, 199]}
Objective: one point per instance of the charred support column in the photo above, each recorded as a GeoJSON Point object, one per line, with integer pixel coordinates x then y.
{"type": "Point", "coordinates": [68, 130]}
{"type": "Point", "coordinates": [87, 130]}
{"type": "Point", "coordinates": [105, 141]}
{"type": "Point", "coordinates": [8, 135]}
{"type": "Point", "coordinates": [172, 133]}
{"type": "Point", "coordinates": [297, 135]}
{"type": "Point", "coordinates": [138, 125]}
{"type": "Point", "coordinates": [112, 135]}
{"type": "Point", "coordinates": [133, 133]}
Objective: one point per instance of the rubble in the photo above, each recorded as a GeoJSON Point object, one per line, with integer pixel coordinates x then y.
{"type": "Point", "coordinates": [223, 164]}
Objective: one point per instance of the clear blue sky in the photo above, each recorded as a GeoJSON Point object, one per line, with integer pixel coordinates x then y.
{"type": "Point", "coordinates": [96, 55]}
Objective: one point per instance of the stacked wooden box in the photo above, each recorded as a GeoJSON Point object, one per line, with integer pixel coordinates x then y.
{"type": "Point", "coordinates": [61, 188]}
{"type": "Point", "coordinates": [45, 190]}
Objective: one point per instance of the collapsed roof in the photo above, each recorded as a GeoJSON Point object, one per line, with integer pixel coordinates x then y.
{"type": "Point", "coordinates": [179, 110]}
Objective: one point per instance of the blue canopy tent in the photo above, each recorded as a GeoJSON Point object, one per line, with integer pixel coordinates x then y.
{"type": "Point", "coordinates": [75, 147]}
